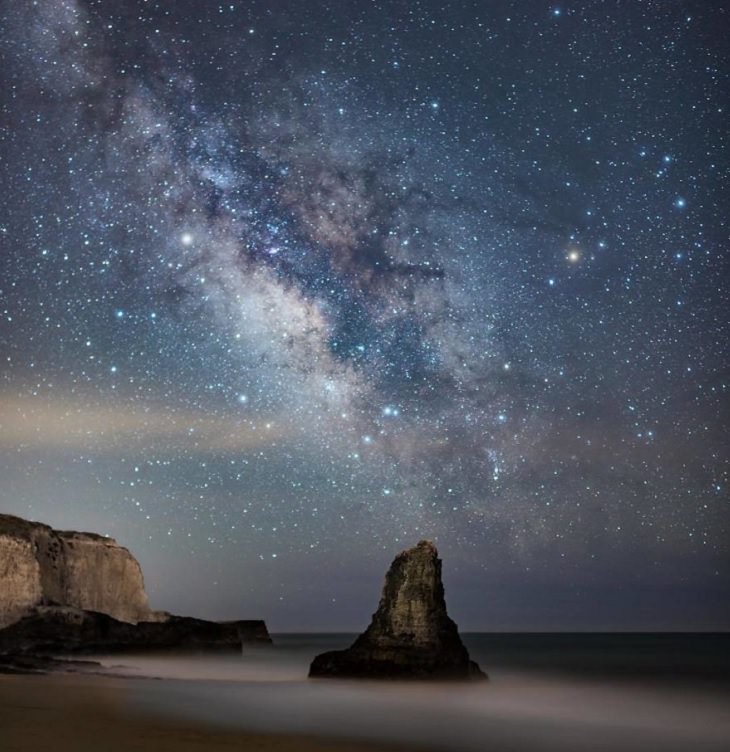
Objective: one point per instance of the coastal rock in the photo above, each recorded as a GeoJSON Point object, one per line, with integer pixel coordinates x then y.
{"type": "Point", "coordinates": [63, 630]}
{"type": "Point", "coordinates": [42, 566]}
{"type": "Point", "coordinates": [410, 636]}
{"type": "Point", "coordinates": [69, 592]}
{"type": "Point", "coordinates": [43, 664]}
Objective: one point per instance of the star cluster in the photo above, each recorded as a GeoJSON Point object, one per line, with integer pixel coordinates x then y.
{"type": "Point", "coordinates": [287, 286]}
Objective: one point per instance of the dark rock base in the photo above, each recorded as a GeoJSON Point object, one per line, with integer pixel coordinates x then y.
{"type": "Point", "coordinates": [40, 664]}
{"type": "Point", "coordinates": [60, 630]}
{"type": "Point", "coordinates": [394, 664]}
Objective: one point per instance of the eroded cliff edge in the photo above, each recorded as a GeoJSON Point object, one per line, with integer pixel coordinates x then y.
{"type": "Point", "coordinates": [40, 566]}
{"type": "Point", "coordinates": [69, 592]}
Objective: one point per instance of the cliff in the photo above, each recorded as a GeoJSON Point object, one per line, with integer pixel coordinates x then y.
{"type": "Point", "coordinates": [41, 566]}
{"type": "Point", "coordinates": [411, 635]}
{"type": "Point", "coordinates": [69, 592]}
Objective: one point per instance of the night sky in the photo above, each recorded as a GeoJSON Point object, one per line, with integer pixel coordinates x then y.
{"type": "Point", "coordinates": [287, 286]}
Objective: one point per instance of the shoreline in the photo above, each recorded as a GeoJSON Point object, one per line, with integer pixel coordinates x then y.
{"type": "Point", "coordinates": [92, 713]}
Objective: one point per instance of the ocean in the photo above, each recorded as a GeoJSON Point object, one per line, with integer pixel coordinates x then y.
{"type": "Point", "coordinates": [605, 692]}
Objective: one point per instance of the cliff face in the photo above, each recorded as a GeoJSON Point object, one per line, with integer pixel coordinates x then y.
{"type": "Point", "coordinates": [41, 566]}
{"type": "Point", "coordinates": [412, 608]}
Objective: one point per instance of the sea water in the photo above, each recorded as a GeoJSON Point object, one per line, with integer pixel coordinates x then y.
{"type": "Point", "coordinates": [546, 692]}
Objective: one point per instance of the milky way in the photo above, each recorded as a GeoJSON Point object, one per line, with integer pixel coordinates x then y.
{"type": "Point", "coordinates": [288, 286]}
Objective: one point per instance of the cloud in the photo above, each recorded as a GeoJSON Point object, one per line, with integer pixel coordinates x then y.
{"type": "Point", "coordinates": [67, 423]}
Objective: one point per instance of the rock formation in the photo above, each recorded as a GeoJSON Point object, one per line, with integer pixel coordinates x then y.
{"type": "Point", "coordinates": [41, 566]}
{"type": "Point", "coordinates": [64, 592]}
{"type": "Point", "coordinates": [410, 636]}
{"type": "Point", "coordinates": [54, 630]}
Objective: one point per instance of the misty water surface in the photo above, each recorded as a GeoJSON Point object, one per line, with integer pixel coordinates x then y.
{"type": "Point", "coordinates": [542, 702]}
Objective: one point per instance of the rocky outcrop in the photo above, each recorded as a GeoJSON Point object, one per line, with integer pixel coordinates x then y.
{"type": "Point", "coordinates": [68, 592]}
{"type": "Point", "coordinates": [61, 630]}
{"type": "Point", "coordinates": [410, 636]}
{"type": "Point", "coordinates": [42, 566]}
{"type": "Point", "coordinates": [44, 664]}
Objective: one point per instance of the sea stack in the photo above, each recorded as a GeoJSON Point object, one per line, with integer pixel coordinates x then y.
{"type": "Point", "coordinates": [410, 636]}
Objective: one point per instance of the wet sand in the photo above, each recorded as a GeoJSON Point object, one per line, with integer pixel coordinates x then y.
{"type": "Point", "coordinates": [75, 713]}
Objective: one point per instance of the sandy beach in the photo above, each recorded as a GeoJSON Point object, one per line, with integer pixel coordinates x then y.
{"type": "Point", "coordinates": [263, 701]}
{"type": "Point", "coordinates": [75, 713]}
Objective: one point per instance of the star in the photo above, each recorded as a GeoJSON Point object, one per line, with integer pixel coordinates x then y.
{"type": "Point", "coordinates": [283, 273]}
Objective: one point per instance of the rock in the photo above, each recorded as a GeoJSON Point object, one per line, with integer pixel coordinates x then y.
{"type": "Point", "coordinates": [63, 630]}
{"type": "Point", "coordinates": [68, 592]}
{"type": "Point", "coordinates": [410, 636]}
{"type": "Point", "coordinates": [31, 664]}
{"type": "Point", "coordinates": [43, 566]}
